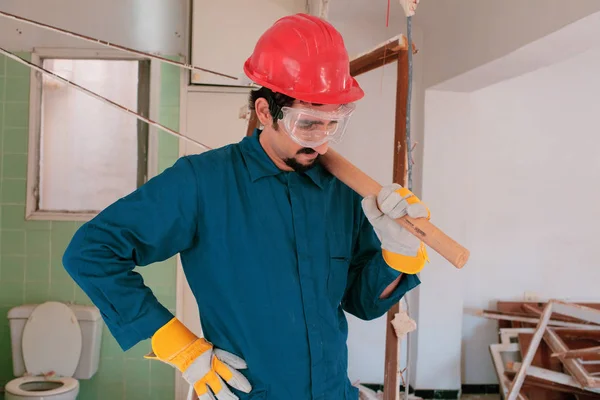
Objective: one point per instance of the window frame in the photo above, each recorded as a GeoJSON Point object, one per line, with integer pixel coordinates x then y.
{"type": "Point", "coordinates": [148, 98]}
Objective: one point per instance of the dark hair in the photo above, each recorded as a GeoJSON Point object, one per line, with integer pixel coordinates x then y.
{"type": "Point", "coordinates": [276, 102]}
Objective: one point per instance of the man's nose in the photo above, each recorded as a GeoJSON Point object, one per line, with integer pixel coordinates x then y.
{"type": "Point", "coordinates": [322, 149]}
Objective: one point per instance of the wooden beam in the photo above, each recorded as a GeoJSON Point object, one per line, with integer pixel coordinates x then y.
{"type": "Point", "coordinates": [590, 352]}
{"type": "Point", "coordinates": [391, 383]}
{"type": "Point", "coordinates": [385, 53]}
{"type": "Point", "coordinates": [400, 173]}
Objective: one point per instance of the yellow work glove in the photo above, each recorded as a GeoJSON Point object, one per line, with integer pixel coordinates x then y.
{"type": "Point", "coordinates": [202, 366]}
{"type": "Point", "coordinates": [401, 250]}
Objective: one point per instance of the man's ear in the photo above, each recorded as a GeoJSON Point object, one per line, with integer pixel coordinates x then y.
{"type": "Point", "coordinates": [261, 106]}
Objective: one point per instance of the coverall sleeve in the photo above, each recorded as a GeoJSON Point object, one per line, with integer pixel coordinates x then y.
{"type": "Point", "coordinates": [369, 275]}
{"type": "Point", "coordinates": [152, 224]}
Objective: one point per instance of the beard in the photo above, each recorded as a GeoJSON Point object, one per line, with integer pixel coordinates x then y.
{"type": "Point", "coordinates": [293, 163]}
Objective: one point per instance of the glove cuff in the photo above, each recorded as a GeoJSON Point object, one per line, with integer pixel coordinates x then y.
{"type": "Point", "coordinates": [406, 264]}
{"type": "Point", "coordinates": [175, 344]}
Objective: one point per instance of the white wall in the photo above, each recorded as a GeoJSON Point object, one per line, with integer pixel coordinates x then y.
{"type": "Point", "coordinates": [573, 39]}
{"type": "Point", "coordinates": [445, 186]}
{"type": "Point", "coordinates": [464, 34]}
{"type": "Point", "coordinates": [146, 25]}
{"type": "Point", "coordinates": [512, 170]}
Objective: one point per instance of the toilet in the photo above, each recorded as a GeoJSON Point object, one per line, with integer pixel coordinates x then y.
{"type": "Point", "coordinates": [53, 346]}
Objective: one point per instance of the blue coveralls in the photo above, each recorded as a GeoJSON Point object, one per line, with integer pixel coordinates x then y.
{"type": "Point", "coordinates": [272, 257]}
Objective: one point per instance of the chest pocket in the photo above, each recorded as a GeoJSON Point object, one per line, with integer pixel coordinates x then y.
{"type": "Point", "coordinates": [339, 263]}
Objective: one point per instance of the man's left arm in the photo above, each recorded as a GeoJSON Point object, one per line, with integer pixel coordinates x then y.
{"type": "Point", "coordinates": [386, 258]}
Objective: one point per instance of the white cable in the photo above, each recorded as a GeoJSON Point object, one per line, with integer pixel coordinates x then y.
{"type": "Point", "coordinates": [112, 45]}
{"type": "Point", "coordinates": [407, 379]}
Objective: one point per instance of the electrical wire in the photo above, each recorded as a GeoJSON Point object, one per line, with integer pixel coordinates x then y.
{"type": "Point", "coordinates": [101, 98]}
{"type": "Point", "coordinates": [112, 45]}
{"type": "Point", "coordinates": [409, 96]}
{"type": "Point", "coordinates": [409, 181]}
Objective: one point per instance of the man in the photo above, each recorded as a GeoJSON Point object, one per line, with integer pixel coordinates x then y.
{"type": "Point", "coordinates": [274, 248]}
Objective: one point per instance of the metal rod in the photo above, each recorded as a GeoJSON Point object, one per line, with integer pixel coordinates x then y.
{"type": "Point", "coordinates": [116, 46]}
{"type": "Point", "coordinates": [101, 98]}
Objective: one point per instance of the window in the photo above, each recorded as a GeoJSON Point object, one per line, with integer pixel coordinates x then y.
{"type": "Point", "coordinates": [84, 153]}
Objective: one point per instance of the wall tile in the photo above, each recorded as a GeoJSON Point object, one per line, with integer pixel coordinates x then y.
{"type": "Point", "coordinates": [14, 191]}
{"type": "Point", "coordinates": [15, 68]}
{"type": "Point", "coordinates": [2, 85]}
{"type": "Point", "coordinates": [169, 145]}
{"type": "Point", "coordinates": [12, 269]}
{"type": "Point", "coordinates": [17, 89]}
{"type": "Point", "coordinates": [37, 267]}
{"type": "Point", "coordinates": [37, 243]}
{"type": "Point", "coordinates": [2, 65]}
{"type": "Point", "coordinates": [58, 273]}
{"type": "Point", "coordinates": [16, 115]}
{"type": "Point", "coordinates": [11, 294]}
{"type": "Point", "coordinates": [31, 251]}
{"type": "Point", "coordinates": [62, 291]}
{"type": "Point", "coordinates": [13, 216]}
{"type": "Point", "coordinates": [15, 140]}
{"type": "Point", "coordinates": [36, 292]}
{"type": "Point", "coordinates": [14, 166]}
{"type": "Point", "coordinates": [12, 242]}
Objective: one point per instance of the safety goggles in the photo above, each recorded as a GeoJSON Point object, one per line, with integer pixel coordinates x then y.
{"type": "Point", "coordinates": [311, 128]}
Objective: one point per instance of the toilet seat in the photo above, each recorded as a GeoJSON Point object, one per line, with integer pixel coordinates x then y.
{"type": "Point", "coordinates": [20, 386]}
{"type": "Point", "coordinates": [52, 340]}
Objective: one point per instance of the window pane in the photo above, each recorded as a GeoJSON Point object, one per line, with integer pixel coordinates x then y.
{"type": "Point", "coordinates": [88, 149]}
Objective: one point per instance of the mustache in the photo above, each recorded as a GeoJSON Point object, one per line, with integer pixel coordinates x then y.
{"type": "Point", "coordinates": [306, 150]}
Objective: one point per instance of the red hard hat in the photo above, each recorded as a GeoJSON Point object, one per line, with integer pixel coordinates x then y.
{"type": "Point", "coordinates": [304, 57]}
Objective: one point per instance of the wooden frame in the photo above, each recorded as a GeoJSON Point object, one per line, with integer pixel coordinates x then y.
{"type": "Point", "coordinates": [552, 376]}
{"type": "Point", "coordinates": [574, 366]}
{"type": "Point", "coordinates": [392, 50]}
{"type": "Point", "coordinates": [496, 351]}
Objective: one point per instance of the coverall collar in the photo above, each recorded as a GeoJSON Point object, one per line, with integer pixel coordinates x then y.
{"type": "Point", "coordinates": [260, 165]}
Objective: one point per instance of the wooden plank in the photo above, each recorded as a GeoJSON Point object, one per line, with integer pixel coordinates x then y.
{"type": "Point", "coordinates": [497, 351]}
{"type": "Point", "coordinates": [589, 353]}
{"type": "Point", "coordinates": [383, 54]}
{"type": "Point", "coordinates": [143, 97]}
{"type": "Point", "coordinates": [400, 147]}
{"type": "Point", "coordinates": [532, 320]}
{"type": "Point", "coordinates": [391, 384]}
{"type": "Point", "coordinates": [552, 376]}
{"type": "Point", "coordinates": [517, 383]}
{"type": "Point", "coordinates": [517, 307]}
{"type": "Point", "coordinates": [553, 390]}
{"type": "Point", "coordinates": [543, 356]}
{"type": "Point", "coordinates": [584, 377]}
{"type": "Point", "coordinates": [531, 309]}
{"type": "Point", "coordinates": [575, 368]}
{"type": "Point", "coordinates": [578, 311]}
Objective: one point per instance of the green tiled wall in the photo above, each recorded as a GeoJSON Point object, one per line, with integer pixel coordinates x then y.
{"type": "Point", "coordinates": [31, 251]}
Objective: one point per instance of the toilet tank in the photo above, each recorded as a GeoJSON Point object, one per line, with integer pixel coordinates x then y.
{"type": "Point", "coordinates": [91, 325]}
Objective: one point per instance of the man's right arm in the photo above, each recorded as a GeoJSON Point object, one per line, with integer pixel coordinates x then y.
{"type": "Point", "coordinates": [152, 224]}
